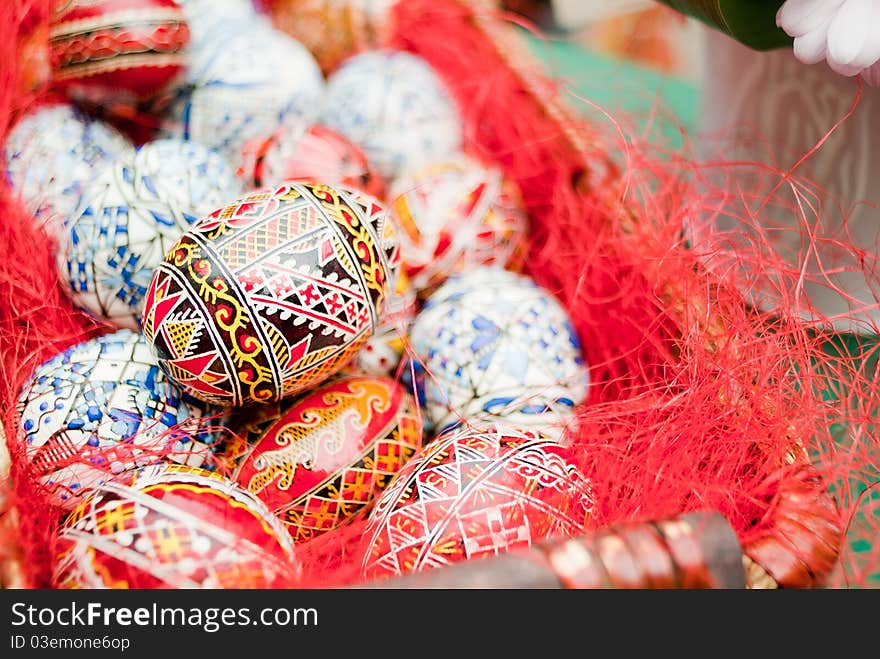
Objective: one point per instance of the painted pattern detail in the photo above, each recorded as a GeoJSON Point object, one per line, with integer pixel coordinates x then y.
{"type": "Point", "coordinates": [272, 294]}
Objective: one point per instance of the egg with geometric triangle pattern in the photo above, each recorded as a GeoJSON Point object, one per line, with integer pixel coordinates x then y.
{"type": "Point", "coordinates": [168, 526]}
{"type": "Point", "coordinates": [474, 492]}
{"type": "Point", "coordinates": [273, 293]}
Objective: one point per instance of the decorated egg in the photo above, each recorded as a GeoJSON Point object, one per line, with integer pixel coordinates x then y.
{"type": "Point", "coordinates": [271, 294]}
{"type": "Point", "coordinates": [103, 407]}
{"type": "Point", "coordinates": [52, 152]}
{"type": "Point", "coordinates": [383, 351]}
{"type": "Point", "coordinates": [308, 152]}
{"type": "Point", "coordinates": [244, 82]}
{"type": "Point", "coordinates": [129, 216]}
{"type": "Point", "coordinates": [455, 214]}
{"type": "Point", "coordinates": [491, 342]}
{"type": "Point", "coordinates": [117, 50]}
{"type": "Point", "coordinates": [333, 29]}
{"type": "Point", "coordinates": [472, 493]}
{"type": "Point", "coordinates": [395, 107]}
{"type": "Point", "coordinates": [173, 527]}
{"type": "Point", "coordinates": [330, 452]}
{"type": "Point", "coordinates": [206, 17]}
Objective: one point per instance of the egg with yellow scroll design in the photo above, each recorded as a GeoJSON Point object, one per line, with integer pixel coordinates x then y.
{"type": "Point", "coordinates": [272, 294]}
{"type": "Point", "coordinates": [322, 458]}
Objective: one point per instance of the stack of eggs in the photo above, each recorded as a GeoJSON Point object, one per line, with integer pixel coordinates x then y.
{"type": "Point", "coordinates": [314, 312]}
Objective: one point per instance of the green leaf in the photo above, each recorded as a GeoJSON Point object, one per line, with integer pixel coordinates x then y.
{"type": "Point", "coordinates": [751, 22]}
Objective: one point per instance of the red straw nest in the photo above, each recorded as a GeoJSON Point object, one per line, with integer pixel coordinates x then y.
{"type": "Point", "coordinates": [699, 401]}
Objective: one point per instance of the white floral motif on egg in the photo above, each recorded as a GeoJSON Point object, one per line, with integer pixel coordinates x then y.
{"type": "Point", "coordinates": [245, 82]}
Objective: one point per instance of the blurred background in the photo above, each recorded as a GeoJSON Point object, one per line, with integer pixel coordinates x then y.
{"type": "Point", "coordinates": [641, 32]}
{"type": "Point", "coordinates": [634, 55]}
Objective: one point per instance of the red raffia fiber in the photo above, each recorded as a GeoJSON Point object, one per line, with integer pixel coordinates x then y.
{"type": "Point", "coordinates": [699, 401]}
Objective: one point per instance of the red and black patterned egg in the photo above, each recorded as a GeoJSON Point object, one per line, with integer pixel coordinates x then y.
{"type": "Point", "coordinates": [272, 294]}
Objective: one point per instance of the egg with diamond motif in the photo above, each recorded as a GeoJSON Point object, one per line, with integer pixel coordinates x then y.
{"type": "Point", "coordinates": [51, 153]}
{"type": "Point", "coordinates": [173, 527]}
{"type": "Point", "coordinates": [472, 493]}
{"type": "Point", "coordinates": [127, 218]}
{"type": "Point", "coordinates": [325, 456]}
{"type": "Point", "coordinates": [395, 107]}
{"type": "Point", "coordinates": [103, 407]}
{"type": "Point", "coordinates": [493, 343]}
{"type": "Point", "coordinates": [273, 293]}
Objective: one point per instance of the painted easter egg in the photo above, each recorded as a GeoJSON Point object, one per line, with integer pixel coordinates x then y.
{"type": "Point", "coordinates": [129, 216]}
{"type": "Point", "coordinates": [173, 527]}
{"type": "Point", "coordinates": [492, 342]}
{"type": "Point", "coordinates": [455, 214]}
{"type": "Point", "coordinates": [395, 108]}
{"type": "Point", "coordinates": [103, 407]}
{"type": "Point", "coordinates": [206, 17]}
{"type": "Point", "coordinates": [308, 152]}
{"type": "Point", "coordinates": [472, 493]}
{"type": "Point", "coordinates": [244, 82]}
{"type": "Point", "coordinates": [333, 29]}
{"type": "Point", "coordinates": [271, 294]}
{"type": "Point", "coordinates": [52, 152]}
{"type": "Point", "coordinates": [383, 351]}
{"type": "Point", "coordinates": [117, 50]}
{"type": "Point", "coordinates": [330, 452]}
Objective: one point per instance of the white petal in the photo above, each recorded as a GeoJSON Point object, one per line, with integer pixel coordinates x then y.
{"type": "Point", "coordinates": [870, 52]}
{"type": "Point", "coordinates": [797, 17]}
{"type": "Point", "coordinates": [871, 75]}
{"type": "Point", "coordinates": [854, 35]}
{"type": "Point", "coordinates": [809, 48]}
{"type": "Point", "coordinates": [847, 70]}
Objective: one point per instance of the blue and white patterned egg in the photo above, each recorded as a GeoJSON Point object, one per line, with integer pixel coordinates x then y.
{"type": "Point", "coordinates": [204, 16]}
{"type": "Point", "coordinates": [103, 407]}
{"type": "Point", "coordinates": [492, 343]}
{"type": "Point", "coordinates": [54, 150]}
{"type": "Point", "coordinates": [243, 82]}
{"type": "Point", "coordinates": [394, 106]}
{"type": "Point", "coordinates": [130, 214]}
